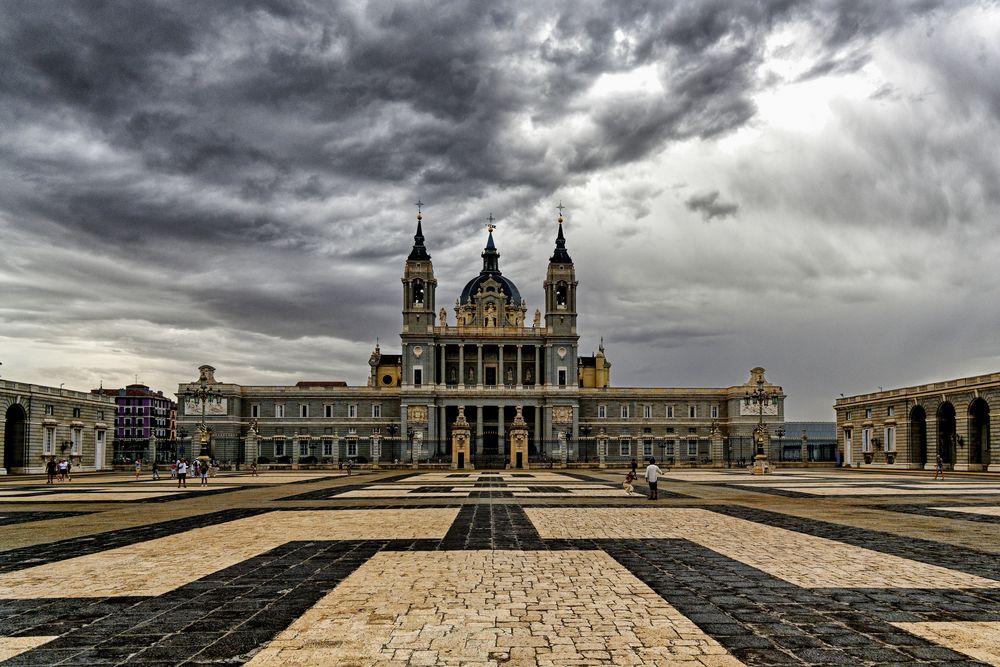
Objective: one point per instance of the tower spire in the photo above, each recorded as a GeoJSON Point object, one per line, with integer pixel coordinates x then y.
{"type": "Point", "coordinates": [419, 252]}
{"type": "Point", "coordinates": [491, 256]}
{"type": "Point", "coordinates": [560, 256]}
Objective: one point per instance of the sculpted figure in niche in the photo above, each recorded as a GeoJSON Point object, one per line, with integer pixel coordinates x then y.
{"type": "Point", "coordinates": [453, 376]}
{"type": "Point", "coordinates": [491, 315]}
{"type": "Point", "coordinates": [471, 375]}
{"type": "Point", "coordinates": [527, 375]}
{"type": "Point", "coordinates": [510, 376]}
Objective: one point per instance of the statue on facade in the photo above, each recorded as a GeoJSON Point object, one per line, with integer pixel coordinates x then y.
{"type": "Point", "coordinates": [537, 322]}
{"type": "Point", "coordinates": [443, 318]}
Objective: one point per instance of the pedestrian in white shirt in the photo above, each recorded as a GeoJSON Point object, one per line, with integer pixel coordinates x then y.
{"type": "Point", "coordinates": [653, 473]}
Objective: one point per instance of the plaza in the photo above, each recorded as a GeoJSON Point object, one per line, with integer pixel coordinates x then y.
{"type": "Point", "coordinates": [501, 567]}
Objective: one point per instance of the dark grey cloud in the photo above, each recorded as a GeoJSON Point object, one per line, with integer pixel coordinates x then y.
{"type": "Point", "coordinates": [710, 205]}
{"type": "Point", "coordinates": [244, 166]}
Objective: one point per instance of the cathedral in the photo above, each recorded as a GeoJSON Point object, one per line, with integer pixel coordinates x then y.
{"type": "Point", "coordinates": [470, 387]}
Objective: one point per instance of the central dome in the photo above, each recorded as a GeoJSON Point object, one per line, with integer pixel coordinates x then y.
{"type": "Point", "coordinates": [491, 269]}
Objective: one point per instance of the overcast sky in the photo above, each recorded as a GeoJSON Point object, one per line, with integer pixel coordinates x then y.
{"type": "Point", "coordinates": [812, 187]}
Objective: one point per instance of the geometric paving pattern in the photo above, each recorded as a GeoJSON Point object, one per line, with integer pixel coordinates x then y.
{"type": "Point", "coordinates": [499, 568]}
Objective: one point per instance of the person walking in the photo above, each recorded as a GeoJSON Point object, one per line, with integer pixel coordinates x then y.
{"type": "Point", "coordinates": [204, 473]}
{"type": "Point", "coordinates": [62, 470]}
{"type": "Point", "coordinates": [939, 467]}
{"type": "Point", "coordinates": [138, 467]}
{"type": "Point", "coordinates": [635, 466]}
{"type": "Point", "coordinates": [155, 467]}
{"type": "Point", "coordinates": [253, 469]}
{"type": "Point", "coordinates": [173, 470]}
{"type": "Point", "coordinates": [69, 470]}
{"type": "Point", "coordinates": [182, 470]}
{"type": "Point", "coordinates": [50, 470]}
{"type": "Point", "coordinates": [653, 473]}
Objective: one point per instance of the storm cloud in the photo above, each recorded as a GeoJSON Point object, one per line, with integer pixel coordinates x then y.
{"type": "Point", "coordinates": [234, 182]}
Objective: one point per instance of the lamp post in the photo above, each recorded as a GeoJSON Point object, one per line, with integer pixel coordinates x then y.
{"type": "Point", "coordinates": [585, 432]}
{"type": "Point", "coordinates": [203, 394]}
{"type": "Point", "coordinates": [780, 432]}
{"type": "Point", "coordinates": [409, 438]}
{"type": "Point", "coordinates": [761, 397]}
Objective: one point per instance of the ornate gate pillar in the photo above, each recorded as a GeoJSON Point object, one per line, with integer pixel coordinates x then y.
{"type": "Point", "coordinates": [460, 437]}
{"type": "Point", "coordinates": [517, 436]}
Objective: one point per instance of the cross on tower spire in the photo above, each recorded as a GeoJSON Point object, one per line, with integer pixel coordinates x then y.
{"type": "Point", "coordinates": [489, 225]}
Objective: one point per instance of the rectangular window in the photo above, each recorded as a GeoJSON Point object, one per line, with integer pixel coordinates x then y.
{"type": "Point", "coordinates": [279, 446]}
{"type": "Point", "coordinates": [868, 413]}
{"type": "Point", "coordinates": [376, 410]}
{"type": "Point", "coordinates": [352, 411]}
{"type": "Point", "coordinates": [418, 376]}
{"type": "Point", "coordinates": [50, 410]}
{"type": "Point", "coordinates": [99, 439]}
{"type": "Point", "coordinates": [624, 410]}
{"type": "Point", "coordinates": [847, 415]}
{"type": "Point", "coordinates": [562, 377]}
{"type": "Point", "coordinates": [352, 447]}
{"type": "Point", "coordinates": [303, 448]}
{"type": "Point", "coordinates": [255, 411]}
{"type": "Point", "coordinates": [77, 440]}
{"type": "Point", "coordinates": [670, 412]}
{"type": "Point", "coordinates": [866, 440]}
{"type": "Point", "coordinates": [890, 411]}
{"type": "Point", "coordinates": [692, 411]}
{"type": "Point", "coordinates": [890, 438]}
{"type": "Point", "coordinates": [328, 411]}
{"type": "Point", "coordinates": [279, 411]}
{"type": "Point", "coordinates": [50, 440]}
{"type": "Point", "coordinates": [647, 412]}
{"type": "Point", "coordinates": [327, 447]}
{"type": "Point", "coordinates": [692, 449]}
{"type": "Point", "coordinates": [100, 415]}
{"type": "Point", "coordinates": [625, 447]}
{"type": "Point", "coordinates": [76, 412]}
{"type": "Point", "coordinates": [602, 411]}
{"type": "Point", "coordinates": [303, 411]}
{"type": "Point", "coordinates": [692, 429]}
{"type": "Point", "coordinates": [647, 447]}
{"type": "Point", "coordinates": [715, 412]}
{"type": "Point", "coordinates": [670, 429]}
{"type": "Point", "coordinates": [670, 447]}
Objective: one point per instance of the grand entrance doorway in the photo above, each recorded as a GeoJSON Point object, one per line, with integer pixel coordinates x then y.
{"type": "Point", "coordinates": [918, 436]}
{"type": "Point", "coordinates": [15, 442]}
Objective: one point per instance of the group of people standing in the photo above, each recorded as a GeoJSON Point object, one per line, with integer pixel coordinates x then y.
{"type": "Point", "coordinates": [198, 468]}
{"type": "Point", "coordinates": [61, 471]}
{"type": "Point", "coordinates": [652, 476]}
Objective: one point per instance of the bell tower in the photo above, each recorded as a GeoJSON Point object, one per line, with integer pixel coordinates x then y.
{"type": "Point", "coordinates": [419, 285]}
{"type": "Point", "coordinates": [560, 315]}
{"type": "Point", "coordinates": [560, 288]}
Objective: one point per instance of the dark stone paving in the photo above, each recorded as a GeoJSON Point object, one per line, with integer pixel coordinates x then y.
{"type": "Point", "coordinates": [9, 518]}
{"type": "Point", "coordinates": [763, 620]}
{"type": "Point", "coordinates": [326, 494]}
{"type": "Point", "coordinates": [490, 526]}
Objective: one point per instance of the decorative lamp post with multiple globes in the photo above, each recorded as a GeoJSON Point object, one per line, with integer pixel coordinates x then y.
{"type": "Point", "coordinates": [203, 394]}
{"type": "Point", "coordinates": [760, 397]}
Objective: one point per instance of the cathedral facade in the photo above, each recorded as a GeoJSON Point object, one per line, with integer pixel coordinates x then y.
{"type": "Point", "coordinates": [487, 366]}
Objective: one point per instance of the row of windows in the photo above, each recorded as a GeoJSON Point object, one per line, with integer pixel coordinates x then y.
{"type": "Point", "coordinates": [645, 447]}
{"type": "Point", "coordinates": [327, 447]}
{"type": "Point", "coordinates": [352, 411]}
{"type": "Point", "coordinates": [625, 411]}
{"type": "Point", "coordinates": [868, 439]}
{"type": "Point", "coordinates": [890, 411]}
{"type": "Point", "coordinates": [50, 410]}
{"type": "Point", "coordinates": [75, 440]}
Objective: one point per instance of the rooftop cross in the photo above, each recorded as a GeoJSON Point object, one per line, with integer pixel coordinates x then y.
{"type": "Point", "coordinates": [489, 225]}
{"type": "Point", "coordinates": [561, 208]}
{"type": "Point", "coordinates": [419, 204]}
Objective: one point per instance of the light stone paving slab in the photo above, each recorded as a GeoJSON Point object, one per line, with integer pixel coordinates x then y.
{"type": "Point", "coordinates": [888, 491]}
{"type": "Point", "coordinates": [803, 560]}
{"type": "Point", "coordinates": [87, 497]}
{"type": "Point", "coordinates": [11, 646]}
{"type": "Point", "coordinates": [978, 640]}
{"type": "Point", "coordinates": [493, 608]}
{"type": "Point", "coordinates": [985, 511]}
{"type": "Point", "coordinates": [164, 564]}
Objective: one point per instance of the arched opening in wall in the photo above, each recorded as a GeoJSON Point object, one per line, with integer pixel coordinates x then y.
{"type": "Point", "coordinates": [946, 432]}
{"type": "Point", "coordinates": [979, 431]}
{"type": "Point", "coordinates": [918, 435]}
{"type": "Point", "coordinates": [15, 438]}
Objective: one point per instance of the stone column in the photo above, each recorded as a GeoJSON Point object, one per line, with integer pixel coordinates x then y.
{"type": "Point", "coordinates": [602, 450]}
{"type": "Point", "coordinates": [962, 430]}
{"type": "Point", "coordinates": [518, 374]}
{"type": "Point", "coordinates": [479, 364]}
{"type": "Point", "coordinates": [152, 447]}
{"type": "Point", "coordinates": [502, 380]}
{"type": "Point", "coordinates": [336, 449]}
{"type": "Point", "coordinates": [804, 455]}
{"type": "Point", "coordinates": [994, 441]}
{"type": "Point", "coordinates": [443, 351]}
{"type": "Point", "coordinates": [461, 364]}
{"type": "Point", "coordinates": [538, 428]}
{"type": "Point", "coordinates": [716, 448]}
{"type": "Point", "coordinates": [538, 380]}
{"type": "Point", "coordinates": [376, 450]}
{"type": "Point", "coordinates": [251, 446]}
{"type": "Point", "coordinates": [501, 430]}
{"type": "Point", "coordinates": [932, 437]}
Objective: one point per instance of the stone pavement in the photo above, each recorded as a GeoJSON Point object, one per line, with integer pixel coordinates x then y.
{"type": "Point", "coordinates": [546, 567]}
